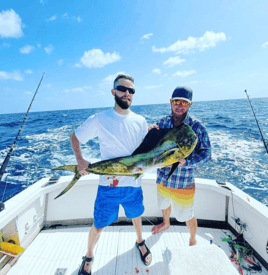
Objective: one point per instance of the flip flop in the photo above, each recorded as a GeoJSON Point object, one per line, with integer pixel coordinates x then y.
{"type": "Point", "coordinates": [82, 266]}
{"type": "Point", "coordinates": [143, 257]}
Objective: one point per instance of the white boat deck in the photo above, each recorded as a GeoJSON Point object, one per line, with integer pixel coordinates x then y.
{"type": "Point", "coordinates": [115, 252]}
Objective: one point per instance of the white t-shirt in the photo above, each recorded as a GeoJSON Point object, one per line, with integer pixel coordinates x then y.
{"type": "Point", "coordinates": [119, 135]}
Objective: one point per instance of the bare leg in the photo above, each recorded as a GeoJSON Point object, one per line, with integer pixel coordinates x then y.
{"type": "Point", "coordinates": [93, 237]}
{"type": "Point", "coordinates": [192, 227]}
{"type": "Point", "coordinates": [138, 227]}
{"type": "Point", "coordinates": [166, 221]}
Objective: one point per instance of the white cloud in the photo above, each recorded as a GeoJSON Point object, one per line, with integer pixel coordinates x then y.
{"type": "Point", "coordinates": [52, 18]}
{"type": "Point", "coordinates": [10, 24]}
{"type": "Point", "coordinates": [108, 81]}
{"type": "Point", "coordinates": [39, 45]}
{"type": "Point", "coordinates": [87, 87]}
{"type": "Point", "coordinates": [11, 76]}
{"type": "Point", "coordinates": [60, 62]}
{"type": "Point", "coordinates": [27, 49]}
{"type": "Point", "coordinates": [28, 71]}
{"type": "Point", "coordinates": [153, 87]}
{"type": "Point", "coordinates": [28, 93]}
{"type": "Point", "coordinates": [184, 73]}
{"type": "Point", "coordinates": [97, 59]}
{"type": "Point", "coordinates": [110, 78]}
{"type": "Point", "coordinates": [192, 82]}
{"type": "Point", "coordinates": [71, 17]}
{"type": "Point", "coordinates": [265, 45]}
{"type": "Point", "coordinates": [208, 40]}
{"type": "Point", "coordinates": [100, 93]}
{"type": "Point", "coordinates": [156, 71]}
{"type": "Point", "coordinates": [78, 90]}
{"type": "Point", "coordinates": [172, 61]}
{"type": "Point", "coordinates": [218, 84]}
{"type": "Point", "coordinates": [49, 49]}
{"type": "Point", "coordinates": [146, 36]}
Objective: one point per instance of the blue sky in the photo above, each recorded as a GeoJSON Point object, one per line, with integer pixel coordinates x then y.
{"type": "Point", "coordinates": [218, 48]}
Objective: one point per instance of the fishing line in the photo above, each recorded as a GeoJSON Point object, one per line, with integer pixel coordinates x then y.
{"type": "Point", "coordinates": [149, 221]}
{"type": "Point", "coordinates": [265, 145]}
{"type": "Point", "coordinates": [6, 160]}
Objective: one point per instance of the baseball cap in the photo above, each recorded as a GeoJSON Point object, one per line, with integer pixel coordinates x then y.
{"type": "Point", "coordinates": [182, 92]}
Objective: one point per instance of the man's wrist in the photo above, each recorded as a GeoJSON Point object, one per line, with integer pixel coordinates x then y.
{"type": "Point", "coordinates": [79, 159]}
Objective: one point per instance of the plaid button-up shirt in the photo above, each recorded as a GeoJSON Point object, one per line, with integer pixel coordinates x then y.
{"type": "Point", "coordinates": [184, 176]}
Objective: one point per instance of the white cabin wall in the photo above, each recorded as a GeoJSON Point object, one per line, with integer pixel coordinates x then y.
{"type": "Point", "coordinates": [78, 203]}
{"type": "Point", "coordinates": [209, 205]}
{"type": "Point", "coordinates": [31, 218]}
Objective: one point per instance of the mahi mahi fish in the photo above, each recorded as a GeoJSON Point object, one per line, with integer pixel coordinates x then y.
{"type": "Point", "coordinates": [159, 148]}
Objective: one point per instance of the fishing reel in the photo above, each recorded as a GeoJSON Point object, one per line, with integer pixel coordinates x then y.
{"type": "Point", "coordinates": [242, 225]}
{"type": "Point", "coordinates": [2, 206]}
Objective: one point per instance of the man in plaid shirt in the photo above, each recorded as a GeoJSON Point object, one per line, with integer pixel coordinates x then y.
{"type": "Point", "coordinates": [179, 189]}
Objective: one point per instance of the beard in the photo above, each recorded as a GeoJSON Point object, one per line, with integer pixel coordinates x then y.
{"type": "Point", "coordinates": [179, 117]}
{"type": "Point", "coordinates": [122, 104]}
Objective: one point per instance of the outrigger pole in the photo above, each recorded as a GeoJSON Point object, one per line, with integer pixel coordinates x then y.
{"type": "Point", "coordinates": [265, 145]}
{"type": "Point", "coordinates": [4, 165]}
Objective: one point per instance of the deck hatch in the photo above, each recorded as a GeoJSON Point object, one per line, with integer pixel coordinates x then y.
{"type": "Point", "coordinates": [60, 271]}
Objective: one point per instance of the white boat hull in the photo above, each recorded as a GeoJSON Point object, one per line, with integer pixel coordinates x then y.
{"type": "Point", "coordinates": [34, 208]}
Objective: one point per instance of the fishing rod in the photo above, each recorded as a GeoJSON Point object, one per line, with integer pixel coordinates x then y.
{"type": "Point", "coordinates": [265, 145]}
{"type": "Point", "coordinates": [4, 164]}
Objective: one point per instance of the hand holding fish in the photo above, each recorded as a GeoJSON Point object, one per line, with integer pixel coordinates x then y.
{"type": "Point", "coordinates": [152, 126]}
{"type": "Point", "coordinates": [181, 161]}
{"type": "Point", "coordinates": [82, 166]}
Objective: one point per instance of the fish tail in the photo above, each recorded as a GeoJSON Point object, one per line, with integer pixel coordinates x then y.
{"type": "Point", "coordinates": [137, 176]}
{"type": "Point", "coordinates": [76, 177]}
{"type": "Point", "coordinates": [73, 168]}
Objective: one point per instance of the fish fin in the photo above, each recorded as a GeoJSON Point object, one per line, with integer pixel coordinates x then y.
{"type": "Point", "coordinates": [167, 153]}
{"type": "Point", "coordinates": [151, 140]}
{"type": "Point", "coordinates": [137, 176]}
{"type": "Point", "coordinates": [73, 168]}
{"type": "Point", "coordinates": [76, 177]}
{"type": "Point", "coordinates": [173, 168]}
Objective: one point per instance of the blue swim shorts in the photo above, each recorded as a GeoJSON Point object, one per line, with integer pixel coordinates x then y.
{"type": "Point", "coordinates": [108, 200]}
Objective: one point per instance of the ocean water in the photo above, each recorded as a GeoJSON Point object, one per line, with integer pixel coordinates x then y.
{"type": "Point", "coordinates": [238, 152]}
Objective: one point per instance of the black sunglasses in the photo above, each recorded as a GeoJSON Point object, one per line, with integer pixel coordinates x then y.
{"type": "Point", "coordinates": [124, 89]}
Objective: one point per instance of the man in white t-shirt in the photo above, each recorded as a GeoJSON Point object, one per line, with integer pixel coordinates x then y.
{"type": "Point", "coordinates": [120, 132]}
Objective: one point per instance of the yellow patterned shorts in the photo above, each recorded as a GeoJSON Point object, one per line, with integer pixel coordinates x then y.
{"type": "Point", "coordinates": [182, 200]}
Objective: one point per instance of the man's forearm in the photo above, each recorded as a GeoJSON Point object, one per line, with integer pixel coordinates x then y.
{"type": "Point", "coordinates": [202, 157]}
{"type": "Point", "coordinates": [76, 147]}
